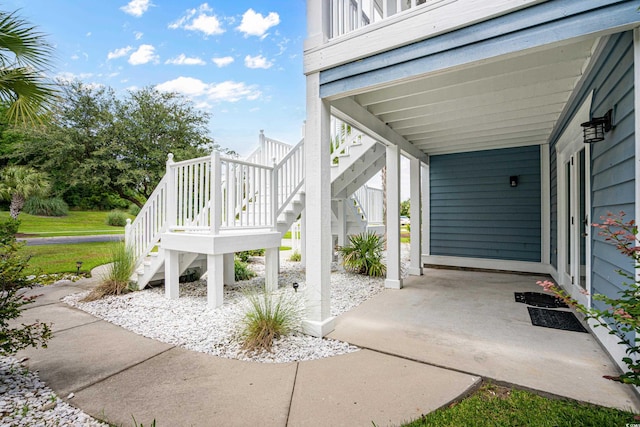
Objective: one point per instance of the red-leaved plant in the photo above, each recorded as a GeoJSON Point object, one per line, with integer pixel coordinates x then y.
{"type": "Point", "coordinates": [622, 314]}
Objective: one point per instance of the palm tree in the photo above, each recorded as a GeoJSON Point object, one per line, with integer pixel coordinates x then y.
{"type": "Point", "coordinates": [25, 56]}
{"type": "Point", "coordinates": [18, 183]}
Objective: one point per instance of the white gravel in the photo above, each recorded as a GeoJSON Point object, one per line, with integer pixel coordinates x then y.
{"type": "Point", "coordinates": [27, 401]}
{"type": "Point", "coordinates": [189, 323]}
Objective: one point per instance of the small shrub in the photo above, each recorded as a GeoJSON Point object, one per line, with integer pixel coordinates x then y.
{"type": "Point", "coordinates": [295, 257]}
{"type": "Point", "coordinates": [268, 317]}
{"type": "Point", "coordinates": [134, 210]}
{"type": "Point", "coordinates": [116, 219]}
{"type": "Point", "coordinates": [245, 256]}
{"type": "Point", "coordinates": [242, 270]}
{"type": "Point", "coordinates": [117, 280]}
{"type": "Point", "coordinates": [13, 281]}
{"type": "Point", "coordinates": [46, 207]}
{"type": "Point", "coordinates": [363, 255]}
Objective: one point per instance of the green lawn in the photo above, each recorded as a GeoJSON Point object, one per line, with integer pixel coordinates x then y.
{"type": "Point", "coordinates": [49, 259]}
{"type": "Point", "coordinates": [77, 223]}
{"type": "Point", "coordinates": [499, 406]}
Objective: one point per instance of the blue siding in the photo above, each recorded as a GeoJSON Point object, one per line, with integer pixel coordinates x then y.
{"type": "Point", "coordinates": [476, 213]}
{"type": "Point", "coordinates": [612, 160]}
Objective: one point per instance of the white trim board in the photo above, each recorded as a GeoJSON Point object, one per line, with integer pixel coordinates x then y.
{"type": "Point", "coordinates": [490, 264]}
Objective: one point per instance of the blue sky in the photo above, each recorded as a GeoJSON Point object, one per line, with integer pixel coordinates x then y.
{"type": "Point", "coordinates": [239, 60]}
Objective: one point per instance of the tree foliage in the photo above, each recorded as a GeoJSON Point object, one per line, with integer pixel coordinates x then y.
{"type": "Point", "coordinates": [97, 142]}
{"type": "Point", "coordinates": [25, 56]}
{"type": "Point", "coordinates": [13, 281]}
{"type": "Point", "coordinates": [18, 183]}
{"type": "Point", "coordinates": [405, 208]}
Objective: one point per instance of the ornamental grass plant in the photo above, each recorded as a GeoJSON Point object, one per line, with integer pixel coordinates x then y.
{"type": "Point", "coordinates": [268, 317]}
{"type": "Point", "coordinates": [118, 277]}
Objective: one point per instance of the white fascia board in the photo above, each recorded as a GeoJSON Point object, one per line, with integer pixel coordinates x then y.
{"type": "Point", "coordinates": [406, 28]}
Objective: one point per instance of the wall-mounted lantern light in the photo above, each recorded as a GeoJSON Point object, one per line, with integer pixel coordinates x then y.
{"type": "Point", "coordinates": [513, 180]}
{"type": "Point", "coordinates": [594, 130]}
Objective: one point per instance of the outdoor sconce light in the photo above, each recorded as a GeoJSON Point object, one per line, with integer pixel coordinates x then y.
{"type": "Point", "coordinates": [78, 265]}
{"type": "Point", "coordinates": [295, 286]}
{"type": "Point", "coordinates": [594, 130]}
{"type": "Point", "coordinates": [513, 180]}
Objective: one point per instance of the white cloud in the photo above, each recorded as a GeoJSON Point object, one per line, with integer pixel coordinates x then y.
{"type": "Point", "coordinates": [201, 19]}
{"type": "Point", "coordinates": [185, 85]}
{"type": "Point", "coordinates": [144, 54]}
{"type": "Point", "coordinates": [222, 61]}
{"type": "Point", "coordinates": [75, 57]}
{"type": "Point", "coordinates": [138, 35]}
{"type": "Point", "coordinates": [89, 34]}
{"type": "Point", "coordinates": [136, 7]}
{"type": "Point", "coordinates": [67, 76]}
{"type": "Point", "coordinates": [254, 24]}
{"type": "Point", "coordinates": [119, 52]}
{"type": "Point", "coordinates": [227, 91]}
{"type": "Point", "coordinates": [182, 59]}
{"type": "Point", "coordinates": [257, 62]}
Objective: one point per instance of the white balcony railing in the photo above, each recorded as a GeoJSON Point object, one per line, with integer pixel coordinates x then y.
{"type": "Point", "coordinates": [349, 15]}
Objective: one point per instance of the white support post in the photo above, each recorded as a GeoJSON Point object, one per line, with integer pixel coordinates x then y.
{"type": "Point", "coordinates": [171, 274]}
{"type": "Point", "coordinates": [426, 210]}
{"type": "Point", "coordinates": [172, 196]}
{"type": "Point", "coordinates": [263, 150]}
{"type": "Point", "coordinates": [216, 193]}
{"type": "Point", "coordinates": [215, 279]}
{"type": "Point", "coordinates": [271, 258]}
{"type": "Point", "coordinates": [318, 23]}
{"type": "Point", "coordinates": [318, 242]}
{"type": "Point", "coordinates": [229, 269]}
{"type": "Point", "coordinates": [393, 281]}
{"type": "Point", "coordinates": [303, 237]}
{"type": "Point", "coordinates": [342, 222]}
{"type": "Point", "coordinates": [636, 73]}
{"type": "Point", "coordinates": [415, 268]}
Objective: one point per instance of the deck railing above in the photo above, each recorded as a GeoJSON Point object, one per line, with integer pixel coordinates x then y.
{"type": "Point", "coordinates": [349, 15]}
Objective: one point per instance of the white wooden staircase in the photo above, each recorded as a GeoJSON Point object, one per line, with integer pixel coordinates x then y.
{"type": "Point", "coordinates": [203, 210]}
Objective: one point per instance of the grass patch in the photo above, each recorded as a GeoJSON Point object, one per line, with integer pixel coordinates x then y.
{"type": "Point", "coordinates": [77, 223]}
{"type": "Point", "coordinates": [118, 277]}
{"type": "Point", "coordinates": [50, 259]}
{"type": "Point", "coordinates": [494, 406]}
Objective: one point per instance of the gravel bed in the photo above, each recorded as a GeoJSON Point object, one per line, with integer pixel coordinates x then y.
{"type": "Point", "coordinates": [188, 321]}
{"type": "Point", "coordinates": [27, 401]}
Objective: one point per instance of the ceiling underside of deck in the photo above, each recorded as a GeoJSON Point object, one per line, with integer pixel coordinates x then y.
{"type": "Point", "coordinates": [509, 102]}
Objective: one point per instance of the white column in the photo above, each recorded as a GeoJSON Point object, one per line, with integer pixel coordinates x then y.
{"type": "Point", "coordinates": [426, 210]}
{"type": "Point", "coordinates": [171, 274]}
{"type": "Point", "coordinates": [317, 320]}
{"type": "Point", "coordinates": [636, 73]}
{"type": "Point", "coordinates": [303, 237]}
{"type": "Point", "coordinates": [342, 223]}
{"type": "Point", "coordinates": [415, 268]}
{"type": "Point", "coordinates": [229, 269]}
{"type": "Point", "coordinates": [393, 281]}
{"type": "Point", "coordinates": [271, 259]}
{"type": "Point", "coordinates": [215, 279]}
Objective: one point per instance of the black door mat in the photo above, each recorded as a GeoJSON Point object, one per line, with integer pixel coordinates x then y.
{"type": "Point", "coordinates": [539, 299]}
{"type": "Point", "coordinates": [556, 319]}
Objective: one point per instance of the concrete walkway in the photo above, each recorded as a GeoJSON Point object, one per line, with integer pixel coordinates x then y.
{"type": "Point", "coordinates": [425, 346]}
{"type": "Point", "coordinates": [116, 374]}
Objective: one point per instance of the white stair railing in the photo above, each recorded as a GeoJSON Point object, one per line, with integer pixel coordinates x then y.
{"type": "Point", "coordinates": [144, 232]}
{"type": "Point", "coordinates": [370, 202]}
{"type": "Point", "coordinates": [268, 151]}
{"type": "Point", "coordinates": [289, 176]}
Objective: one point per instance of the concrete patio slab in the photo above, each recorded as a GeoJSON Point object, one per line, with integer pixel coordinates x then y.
{"type": "Point", "coordinates": [60, 316]}
{"type": "Point", "coordinates": [469, 321]}
{"type": "Point", "coordinates": [81, 356]}
{"type": "Point", "coordinates": [369, 388]}
{"type": "Point", "coordinates": [185, 388]}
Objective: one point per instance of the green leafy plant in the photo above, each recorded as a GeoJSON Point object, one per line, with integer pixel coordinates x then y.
{"type": "Point", "coordinates": [245, 256]}
{"type": "Point", "coordinates": [133, 210]}
{"type": "Point", "coordinates": [116, 219]}
{"type": "Point", "coordinates": [13, 281]}
{"type": "Point", "coordinates": [46, 207]}
{"type": "Point", "coordinates": [267, 318]}
{"type": "Point", "coordinates": [242, 270]}
{"type": "Point", "coordinates": [622, 313]}
{"type": "Point", "coordinates": [118, 277]}
{"type": "Point", "coordinates": [363, 255]}
{"type": "Point", "coordinates": [295, 257]}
